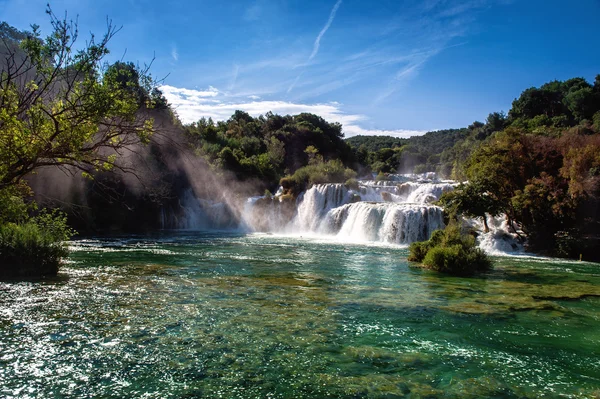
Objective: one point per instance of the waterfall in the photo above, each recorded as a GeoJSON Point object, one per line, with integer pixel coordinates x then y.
{"type": "Point", "coordinates": [385, 222]}
{"type": "Point", "coordinates": [377, 212]}
{"type": "Point", "coordinates": [197, 214]}
{"type": "Point", "coordinates": [378, 191]}
{"type": "Point", "coordinates": [420, 193]}
{"type": "Point", "coordinates": [267, 213]}
{"type": "Point", "coordinates": [397, 211]}
{"type": "Point", "coordinates": [317, 201]}
{"type": "Point", "coordinates": [500, 239]}
{"type": "Point", "coordinates": [409, 192]}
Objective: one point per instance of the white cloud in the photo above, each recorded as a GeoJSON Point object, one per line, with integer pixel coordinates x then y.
{"type": "Point", "coordinates": [189, 94]}
{"type": "Point", "coordinates": [191, 105]}
{"type": "Point", "coordinates": [174, 53]}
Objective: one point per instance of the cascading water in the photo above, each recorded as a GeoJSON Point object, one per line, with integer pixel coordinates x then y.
{"type": "Point", "coordinates": [398, 211]}
{"type": "Point", "coordinates": [384, 222]}
{"type": "Point", "coordinates": [197, 214]}
{"type": "Point", "coordinates": [317, 202]}
{"type": "Point", "coordinates": [376, 212]}
{"type": "Point", "coordinates": [500, 239]}
{"type": "Point", "coordinates": [428, 192]}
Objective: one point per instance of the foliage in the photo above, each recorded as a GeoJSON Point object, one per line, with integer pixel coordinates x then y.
{"type": "Point", "coordinates": [352, 184]}
{"type": "Point", "coordinates": [450, 251]}
{"type": "Point", "coordinates": [317, 173]}
{"type": "Point", "coordinates": [559, 104]}
{"type": "Point", "coordinates": [547, 184]}
{"type": "Point", "coordinates": [13, 207]}
{"type": "Point", "coordinates": [548, 111]}
{"type": "Point", "coordinates": [60, 106]}
{"type": "Point", "coordinates": [267, 147]}
{"type": "Point", "coordinates": [392, 155]}
{"type": "Point", "coordinates": [471, 200]}
{"type": "Point", "coordinates": [375, 143]}
{"type": "Point", "coordinates": [35, 247]}
{"type": "Point", "coordinates": [63, 106]}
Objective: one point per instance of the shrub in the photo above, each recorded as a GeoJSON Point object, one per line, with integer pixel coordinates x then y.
{"type": "Point", "coordinates": [33, 248]}
{"type": "Point", "coordinates": [352, 184]}
{"type": "Point", "coordinates": [418, 250]}
{"type": "Point", "coordinates": [450, 251]}
{"type": "Point", "coordinates": [318, 173]}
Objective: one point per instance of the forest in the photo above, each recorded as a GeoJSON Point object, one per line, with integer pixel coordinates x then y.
{"type": "Point", "coordinates": [89, 147]}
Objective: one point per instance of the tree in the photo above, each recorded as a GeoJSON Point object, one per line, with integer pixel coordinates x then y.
{"type": "Point", "coordinates": [471, 200]}
{"type": "Point", "coordinates": [60, 106]}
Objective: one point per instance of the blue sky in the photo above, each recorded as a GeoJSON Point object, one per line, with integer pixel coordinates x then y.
{"type": "Point", "coordinates": [396, 67]}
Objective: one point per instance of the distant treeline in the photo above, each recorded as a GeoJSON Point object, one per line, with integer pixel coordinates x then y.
{"type": "Point", "coordinates": [549, 110]}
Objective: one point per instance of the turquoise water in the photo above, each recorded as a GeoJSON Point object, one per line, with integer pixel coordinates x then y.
{"type": "Point", "coordinates": [259, 316]}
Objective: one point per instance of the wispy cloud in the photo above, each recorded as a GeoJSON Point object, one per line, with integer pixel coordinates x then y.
{"type": "Point", "coordinates": [431, 26]}
{"type": "Point", "coordinates": [236, 72]}
{"type": "Point", "coordinates": [317, 43]}
{"type": "Point", "coordinates": [174, 53]}
{"type": "Point", "coordinates": [191, 105]}
{"type": "Point", "coordinates": [375, 62]}
{"type": "Point", "coordinates": [294, 83]}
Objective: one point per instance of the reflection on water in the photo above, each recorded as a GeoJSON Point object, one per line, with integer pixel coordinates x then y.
{"type": "Point", "coordinates": [261, 316]}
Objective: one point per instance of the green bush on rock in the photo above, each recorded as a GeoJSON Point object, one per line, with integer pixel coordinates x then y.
{"type": "Point", "coordinates": [450, 251]}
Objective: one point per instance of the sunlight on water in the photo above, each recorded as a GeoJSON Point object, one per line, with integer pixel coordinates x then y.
{"type": "Point", "coordinates": [261, 316]}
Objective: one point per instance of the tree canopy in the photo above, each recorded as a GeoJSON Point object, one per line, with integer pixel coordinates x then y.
{"type": "Point", "coordinates": [60, 106]}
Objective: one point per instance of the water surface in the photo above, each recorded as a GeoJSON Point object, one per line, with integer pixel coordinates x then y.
{"type": "Point", "coordinates": [261, 316]}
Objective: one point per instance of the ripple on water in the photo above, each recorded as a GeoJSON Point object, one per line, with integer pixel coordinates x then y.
{"type": "Point", "coordinates": [261, 316]}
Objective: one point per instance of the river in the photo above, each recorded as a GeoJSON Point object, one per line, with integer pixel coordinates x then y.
{"type": "Point", "coordinates": [228, 315]}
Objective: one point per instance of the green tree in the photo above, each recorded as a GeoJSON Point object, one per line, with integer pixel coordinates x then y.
{"type": "Point", "coordinates": [471, 200]}
{"type": "Point", "coordinates": [60, 106]}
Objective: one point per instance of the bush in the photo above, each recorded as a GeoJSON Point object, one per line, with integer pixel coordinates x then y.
{"type": "Point", "coordinates": [450, 251]}
{"type": "Point", "coordinates": [352, 184]}
{"type": "Point", "coordinates": [418, 250]}
{"type": "Point", "coordinates": [318, 173]}
{"type": "Point", "coordinates": [33, 248]}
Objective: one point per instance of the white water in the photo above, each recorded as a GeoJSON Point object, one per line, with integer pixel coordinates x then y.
{"type": "Point", "coordinates": [376, 212]}
{"type": "Point", "coordinates": [388, 212]}
{"type": "Point", "coordinates": [317, 202]}
{"type": "Point", "coordinates": [428, 192]}
{"type": "Point", "coordinates": [500, 239]}
{"type": "Point", "coordinates": [384, 222]}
